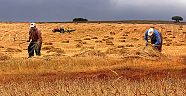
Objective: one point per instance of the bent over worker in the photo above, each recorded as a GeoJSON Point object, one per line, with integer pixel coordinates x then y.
{"type": "Point", "coordinates": [155, 38]}
{"type": "Point", "coordinates": [36, 40]}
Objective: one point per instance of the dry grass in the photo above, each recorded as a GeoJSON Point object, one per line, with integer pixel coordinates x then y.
{"type": "Point", "coordinates": [87, 61]}
{"type": "Point", "coordinates": [42, 77]}
{"type": "Point", "coordinates": [50, 82]}
{"type": "Point", "coordinates": [106, 86]}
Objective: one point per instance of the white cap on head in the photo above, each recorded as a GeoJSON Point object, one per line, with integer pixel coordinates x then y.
{"type": "Point", "coordinates": [32, 25]}
{"type": "Point", "coordinates": [150, 31]}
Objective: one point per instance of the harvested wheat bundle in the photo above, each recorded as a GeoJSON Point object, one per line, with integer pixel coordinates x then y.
{"type": "Point", "coordinates": [65, 41]}
{"type": "Point", "coordinates": [48, 48]}
{"type": "Point", "coordinates": [48, 43]}
{"type": "Point", "coordinates": [112, 33]}
{"type": "Point", "coordinates": [149, 52]}
{"type": "Point", "coordinates": [98, 41]}
{"type": "Point", "coordinates": [94, 37]}
{"type": "Point", "coordinates": [13, 50]}
{"type": "Point", "coordinates": [2, 46]}
{"type": "Point", "coordinates": [108, 42]}
{"type": "Point", "coordinates": [87, 38]}
{"type": "Point", "coordinates": [4, 57]}
{"type": "Point", "coordinates": [56, 50]}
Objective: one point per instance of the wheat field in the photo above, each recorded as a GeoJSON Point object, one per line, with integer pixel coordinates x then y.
{"type": "Point", "coordinates": [97, 59]}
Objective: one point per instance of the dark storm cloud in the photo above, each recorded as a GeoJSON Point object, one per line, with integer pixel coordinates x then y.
{"type": "Point", "coordinates": [66, 10]}
{"type": "Point", "coordinates": [149, 9]}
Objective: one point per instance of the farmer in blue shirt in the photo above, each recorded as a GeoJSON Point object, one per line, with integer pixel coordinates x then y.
{"type": "Point", "coordinates": [155, 37]}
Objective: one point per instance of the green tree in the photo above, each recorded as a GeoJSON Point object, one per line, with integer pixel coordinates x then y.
{"type": "Point", "coordinates": [177, 18]}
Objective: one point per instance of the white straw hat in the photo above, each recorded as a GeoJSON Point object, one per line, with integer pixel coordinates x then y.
{"type": "Point", "coordinates": [32, 25]}
{"type": "Point", "coordinates": [150, 31]}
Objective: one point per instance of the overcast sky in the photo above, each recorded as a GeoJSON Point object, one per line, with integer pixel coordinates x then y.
{"type": "Point", "coordinates": [66, 10]}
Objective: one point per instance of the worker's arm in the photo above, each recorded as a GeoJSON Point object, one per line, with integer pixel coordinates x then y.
{"type": "Point", "coordinates": [146, 36]}
{"type": "Point", "coordinates": [29, 36]}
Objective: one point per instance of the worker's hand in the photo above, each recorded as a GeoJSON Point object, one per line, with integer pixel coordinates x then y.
{"type": "Point", "coordinates": [156, 45]}
{"type": "Point", "coordinates": [38, 43]}
{"type": "Point", "coordinates": [147, 43]}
